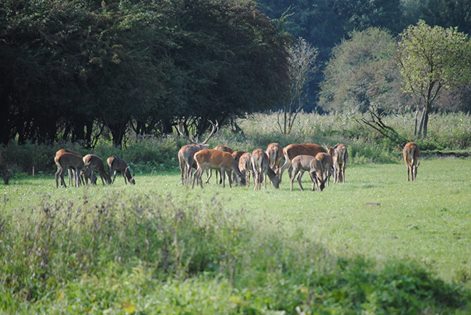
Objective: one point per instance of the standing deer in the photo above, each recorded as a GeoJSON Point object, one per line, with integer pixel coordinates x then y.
{"type": "Point", "coordinates": [260, 167]}
{"type": "Point", "coordinates": [94, 163]}
{"type": "Point", "coordinates": [411, 154]}
{"type": "Point", "coordinates": [339, 155]}
{"type": "Point", "coordinates": [187, 152]}
{"type": "Point", "coordinates": [236, 156]}
{"type": "Point", "coordinates": [275, 153]}
{"type": "Point", "coordinates": [118, 165]}
{"type": "Point", "coordinates": [293, 150]}
{"type": "Point", "coordinates": [65, 161]}
{"type": "Point", "coordinates": [222, 148]}
{"type": "Point", "coordinates": [300, 164]}
{"type": "Point", "coordinates": [70, 171]}
{"type": "Point", "coordinates": [215, 159]}
{"type": "Point", "coordinates": [321, 168]}
{"type": "Point", "coordinates": [245, 166]}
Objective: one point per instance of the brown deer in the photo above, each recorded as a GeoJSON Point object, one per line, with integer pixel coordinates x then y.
{"type": "Point", "coordinates": [339, 155]}
{"type": "Point", "coordinates": [64, 161]}
{"type": "Point", "coordinates": [245, 166]}
{"type": "Point", "coordinates": [236, 156]}
{"type": "Point", "coordinates": [411, 154]}
{"type": "Point", "coordinates": [293, 150]}
{"type": "Point", "coordinates": [215, 159]}
{"type": "Point", "coordinates": [321, 169]}
{"type": "Point", "coordinates": [118, 165]}
{"type": "Point", "coordinates": [187, 152]}
{"type": "Point", "coordinates": [93, 162]}
{"type": "Point", "coordinates": [260, 166]}
{"type": "Point", "coordinates": [70, 171]}
{"type": "Point", "coordinates": [300, 164]}
{"type": "Point", "coordinates": [275, 153]}
{"type": "Point", "coordinates": [222, 148]}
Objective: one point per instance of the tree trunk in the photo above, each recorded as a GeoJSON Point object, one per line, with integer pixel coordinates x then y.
{"type": "Point", "coordinates": [425, 127]}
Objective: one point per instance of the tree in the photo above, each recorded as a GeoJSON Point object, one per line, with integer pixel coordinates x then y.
{"type": "Point", "coordinates": [361, 73]}
{"type": "Point", "coordinates": [432, 59]}
{"type": "Point", "coordinates": [301, 66]}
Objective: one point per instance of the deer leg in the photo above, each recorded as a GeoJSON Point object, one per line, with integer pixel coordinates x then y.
{"type": "Point", "coordinates": [59, 175]}
{"type": "Point", "coordinates": [313, 179]}
{"type": "Point", "coordinates": [209, 174]}
{"type": "Point", "coordinates": [300, 176]}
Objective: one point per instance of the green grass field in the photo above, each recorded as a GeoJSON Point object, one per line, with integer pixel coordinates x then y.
{"type": "Point", "coordinates": [376, 214]}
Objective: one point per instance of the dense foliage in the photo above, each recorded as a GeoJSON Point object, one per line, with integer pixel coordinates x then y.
{"type": "Point", "coordinates": [133, 253]}
{"type": "Point", "coordinates": [71, 67]}
{"type": "Point", "coordinates": [433, 59]}
{"type": "Point", "coordinates": [363, 73]}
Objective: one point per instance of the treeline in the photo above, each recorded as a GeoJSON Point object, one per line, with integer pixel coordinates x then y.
{"type": "Point", "coordinates": [71, 69]}
{"type": "Point", "coordinates": [74, 70]}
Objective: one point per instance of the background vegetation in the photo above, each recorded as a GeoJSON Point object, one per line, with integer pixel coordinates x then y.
{"type": "Point", "coordinates": [73, 70]}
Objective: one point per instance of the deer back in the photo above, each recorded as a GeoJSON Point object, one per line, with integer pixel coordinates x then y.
{"type": "Point", "coordinates": [245, 163]}
{"type": "Point", "coordinates": [411, 153]}
{"type": "Point", "coordinates": [211, 158]}
{"type": "Point", "coordinates": [293, 150]}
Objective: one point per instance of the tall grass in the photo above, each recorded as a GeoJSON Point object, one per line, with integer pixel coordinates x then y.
{"type": "Point", "coordinates": [142, 253]}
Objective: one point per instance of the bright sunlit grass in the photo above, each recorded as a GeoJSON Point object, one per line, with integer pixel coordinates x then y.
{"type": "Point", "coordinates": [376, 213]}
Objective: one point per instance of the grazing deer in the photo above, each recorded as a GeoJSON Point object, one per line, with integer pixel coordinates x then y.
{"type": "Point", "coordinates": [260, 167]}
{"type": "Point", "coordinates": [187, 152]}
{"type": "Point", "coordinates": [70, 171]}
{"type": "Point", "coordinates": [222, 148]}
{"type": "Point", "coordinates": [93, 162]}
{"type": "Point", "coordinates": [293, 150]}
{"type": "Point", "coordinates": [236, 156]}
{"type": "Point", "coordinates": [65, 161]}
{"type": "Point", "coordinates": [215, 159]}
{"type": "Point", "coordinates": [245, 166]}
{"type": "Point", "coordinates": [118, 165]}
{"type": "Point", "coordinates": [275, 153]}
{"type": "Point", "coordinates": [300, 164]}
{"type": "Point", "coordinates": [321, 169]}
{"type": "Point", "coordinates": [411, 154]}
{"type": "Point", "coordinates": [186, 160]}
{"type": "Point", "coordinates": [339, 155]}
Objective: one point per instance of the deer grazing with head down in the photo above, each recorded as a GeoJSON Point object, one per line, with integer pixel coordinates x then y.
{"type": "Point", "coordinates": [214, 159]}
{"type": "Point", "coordinates": [411, 153]}
{"type": "Point", "coordinates": [64, 161]}
{"type": "Point", "coordinates": [186, 153]}
{"type": "Point", "coordinates": [118, 165]}
{"type": "Point", "coordinates": [260, 166]}
{"type": "Point", "coordinates": [299, 165]}
{"type": "Point", "coordinates": [293, 150]}
{"type": "Point", "coordinates": [222, 148]}
{"type": "Point", "coordinates": [339, 155]}
{"type": "Point", "coordinates": [275, 153]}
{"type": "Point", "coordinates": [92, 163]}
{"type": "Point", "coordinates": [245, 166]}
{"type": "Point", "coordinates": [321, 169]}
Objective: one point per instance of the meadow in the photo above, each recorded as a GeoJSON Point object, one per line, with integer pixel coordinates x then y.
{"type": "Point", "coordinates": [375, 244]}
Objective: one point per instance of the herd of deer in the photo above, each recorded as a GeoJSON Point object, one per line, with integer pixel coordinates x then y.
{"type": "Point", "coordinates": [82, 169]}
{"type": "Point", "coordinates": [197, 158]}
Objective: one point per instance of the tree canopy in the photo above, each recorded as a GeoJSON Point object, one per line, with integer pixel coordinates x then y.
{"type": "Point", "coordinates": [362, 73]}
{"type": "Point", "coordinates": [72, 66]}
{"type": "Point", "coordinates": [432, 59]}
